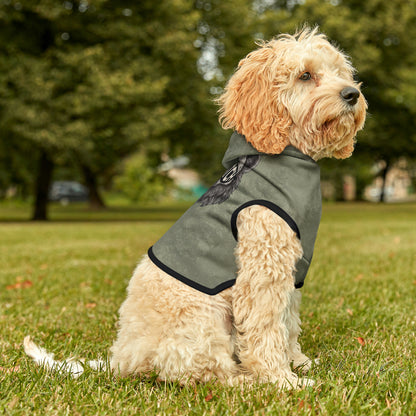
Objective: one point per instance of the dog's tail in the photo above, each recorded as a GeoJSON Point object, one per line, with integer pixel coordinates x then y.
{"type": "Point", "coordinates": [71, 366]}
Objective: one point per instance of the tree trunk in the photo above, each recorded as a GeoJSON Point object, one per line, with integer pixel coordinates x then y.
{"type": "Point", "coordinates": [383, 185]}
{"type": "Point", "coordinates": [95, 199]}
{"type": "Point", "coordinates": [42, 185]}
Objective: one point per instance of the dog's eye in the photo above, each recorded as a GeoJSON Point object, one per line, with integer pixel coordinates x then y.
{"type": "Point", "coordinates": [306, 76]}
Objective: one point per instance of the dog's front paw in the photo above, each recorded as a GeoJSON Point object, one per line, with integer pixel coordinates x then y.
{"type": "Point", "coordinates": [295, 382]}
{"type": "Point", "coordinates": [306, 382]}
{"type": "Point", "coordinates": [304, 364]}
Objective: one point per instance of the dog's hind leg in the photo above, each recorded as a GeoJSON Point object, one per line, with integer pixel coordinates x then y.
{"type": "Point", "coordinates": [198, 346]}
{"type": "Point", "coordinates": [267, 252]}
{"type": "Point", "coordinates": [177, 331]}
{"type": "Point", "coordinates": [200, 349]}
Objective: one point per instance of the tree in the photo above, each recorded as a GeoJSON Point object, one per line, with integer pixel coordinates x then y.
{"type": "Point", "coordinates": [140, 181]}
{"type": "Point", "coordinates": [81, 83]}
{"type": "Point", "coordinates": [87, 84]}
{"type": "Point", "coordinates": [223, 35]}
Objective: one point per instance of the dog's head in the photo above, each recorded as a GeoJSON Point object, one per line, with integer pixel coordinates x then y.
{"type": "Point", "coordinates": [296, 90]}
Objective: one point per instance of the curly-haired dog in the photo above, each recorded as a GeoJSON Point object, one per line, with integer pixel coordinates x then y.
{"type": "Point", "coordinates": [217, 297]}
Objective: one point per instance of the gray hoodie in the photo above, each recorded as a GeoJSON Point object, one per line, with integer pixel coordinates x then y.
{"type": "Point", "coordinates": [199, 248]}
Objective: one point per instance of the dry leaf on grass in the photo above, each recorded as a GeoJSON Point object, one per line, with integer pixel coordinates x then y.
{"type": "Point", "coordinates": [91, 305]}
{"type": "Point", "coordinates": [361, 341]}
{"type": "Point", "coordinates": [10, 370]}
{"type": "Point", "coordinates": [20, 285]}
{"type": "Point", "coordinates": [209, 396]}
{"type": "Point", "coordinates": [341, 302]}
{"type": "Point", "coordinates": [302, 405]}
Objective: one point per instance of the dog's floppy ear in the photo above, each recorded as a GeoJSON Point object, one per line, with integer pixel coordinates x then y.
{"type": "Point", "coordinates": [250, 103]}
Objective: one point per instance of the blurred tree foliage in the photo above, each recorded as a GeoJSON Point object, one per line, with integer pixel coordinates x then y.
{"type": "Point", "coordinates": [224, 35]}
{"type": "Point", "coordinates": [86, 84]}
{"type": "Point", "coordinates": [140, 181]}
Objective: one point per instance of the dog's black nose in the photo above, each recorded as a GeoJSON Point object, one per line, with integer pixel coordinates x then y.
{"type": "Point", "coordinates": [350, 95]}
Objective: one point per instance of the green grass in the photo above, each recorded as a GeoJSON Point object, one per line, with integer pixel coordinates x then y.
{"type": "Point", "coordinates": [362, 284]}
{"type": "Point", "coordinates": [117, 211]}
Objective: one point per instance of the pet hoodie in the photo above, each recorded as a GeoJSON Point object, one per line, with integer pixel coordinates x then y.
{"type": "Point", "coordinates": [199, 248]}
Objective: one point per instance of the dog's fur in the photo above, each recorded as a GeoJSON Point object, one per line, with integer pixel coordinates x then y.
{"type": "Point", "coordinates": [250, 331]}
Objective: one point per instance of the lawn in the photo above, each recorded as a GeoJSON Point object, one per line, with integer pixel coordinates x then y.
{"type": "Point", "coordinates": [62, 282]}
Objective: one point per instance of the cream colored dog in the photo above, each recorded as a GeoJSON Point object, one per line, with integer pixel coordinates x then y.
{"type": "Point", "coordinates": [294, 90]}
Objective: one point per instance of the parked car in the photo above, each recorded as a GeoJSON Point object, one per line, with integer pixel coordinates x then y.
{"type": "Point", "coordinates": [68, 191]}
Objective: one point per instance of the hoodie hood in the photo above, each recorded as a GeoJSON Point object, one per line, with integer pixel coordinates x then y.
{"type": "Point", "coordinates": [239, 147]}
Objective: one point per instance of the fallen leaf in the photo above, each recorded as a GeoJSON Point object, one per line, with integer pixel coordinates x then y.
{"type": "Point", "coordinates": [20, 285]}
{"type": "Point", "coordinates": [341, 302]}
{"type": "Point", "coordinates": [350, 312]}
{"type": "Point", "coordinates": [209, 396]}
{"type": "Point", "coordinates": [361, 341]}
{"type": "Point", "coordinates": [302, 405]}
{"type": "Point", "coordinates": [10, 370]}
{"type": "Point", "coordinates": [91, 305]}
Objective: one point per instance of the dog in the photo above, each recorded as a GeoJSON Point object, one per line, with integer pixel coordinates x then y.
{"type": "Point", "coordinates": [217, 298]}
